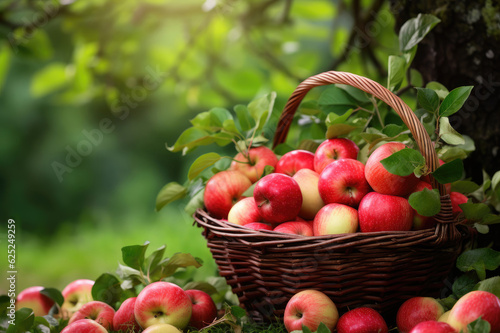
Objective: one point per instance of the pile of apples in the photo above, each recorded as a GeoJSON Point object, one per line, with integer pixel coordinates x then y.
{"type": "Point", "coordinates": [321, 193]}
{"type": "Point", "coordinates": [161, 307]}
{"type": "Point", "coordinates": [311, 308]}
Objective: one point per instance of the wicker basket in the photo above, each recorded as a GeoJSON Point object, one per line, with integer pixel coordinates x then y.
{"type": "Point", "coordinates": [378, 269]}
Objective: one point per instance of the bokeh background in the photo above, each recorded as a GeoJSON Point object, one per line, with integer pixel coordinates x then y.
{"type": "Point", "coordinates": [92, 91]}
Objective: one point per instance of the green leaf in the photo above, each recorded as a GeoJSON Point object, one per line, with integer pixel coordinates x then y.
{"type": "Point", "coordinates": [128, 273]}
{"type": "Point", "coordinates": [169, 193]}
{"type": "Point", "coordinates": [415, 29]}
{"type": "Point", "coordinates": [107, 289]}
{"type": "Point", "coordinates": [448, 302]}
{"type": "Point", "coordinates": [23, 322]}
{"type": "Point", "coordinates": [322, 328]}
{"type": "Point", "coordinates": [495, 181]}
{"type": "Point", "coordinates": [218, 116]}
{"type": "Point", "coordinates": [464, 284]}
{"type": "Point", "coordinates": [403, 162]}
{"type": "Point", "coordinates": [5, 58]}
{"type": "Point", "coordinates": [334, 118]}
{"type": "Point", "coordinates": [491, 219]}
{"type": "Point", "coordinates": [260, 109]}
{"type": "Point", "coordinates": [336, 100]}
{"type": "Point", "coordinates": [133, 255]}
{"type": "Point", "coordinates": [393, 130]}
{"type": "Point", "coordinates": [49, 79]}
{"type": "Point", "coordinates": [306, 329]}
{"type": "Point", "coordinates": [454, 101]}
{"type": "Point", "coordinates": [396, 73]}
{"type": "Point", "coordinates": [238, 312]}
{"type": "Point", "coordinates": [491, 285]}
{"type": "Point", "coordinates": [475, 211]}
{"type": "Point", "coordinates": [309, 108]}
{"type": "Point", "coordinates": [201, 285]}
{"type": "Point", "coordinates": [479, 326]}
{"type": "Point", "coordinates": [190, 139]}
{"type": "Point", "coordinates": [426, 202]}
{"type": "Point", "coordinates": [428, 99]}
{"type": "Point", "coordinates": [464, 186]}
{"type": "Point", "coordinates": [53, 294]}
{"type": "Point", "coordinates": [245, 121]}
{"type": "Point", "coordinates": [201, 163]}
{"type": "Point", "coordinates": [179, 260]}
{"type": "Point", "coordinates": [481, 228]}
{"type": "Point", "coordinates": [440, 90]}
{"type": "Point", "coordinates": [448, 133]}
{"type": "Point", "coordinates": [195, 202]}
{"type": "Point", "coordinates": [337, 130]}
{"type": "Point", "coordinates": [479, 260]}
{"type": "Point", "coordinates": [153, 260]}
{"type": "Point", "coordinates": [358, 94]}
{"type": "Point", "coordinates": [449, 172]}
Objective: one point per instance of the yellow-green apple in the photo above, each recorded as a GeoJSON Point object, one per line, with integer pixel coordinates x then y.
{"type": "Point", "coordinates": [223, 190]}
{"type": "Point", "coordinates": [278, 198]}
{"type": "Point", "coordinates": [124, 319]}
{"type": "Point", "coordinates": [98, 311]}
{"type": "Point", "coordinates": [382, 212]}
{"type": "Point", "coordinates": [335, 219]}
{"type": "Point", "coordinates": [295, 227]}
{"type": "Point", "coordinates": [421, 222]}
{"type": "Point", "coordinates": [444, 316]}
{"type": "Point", "coordinates": [416, 310]}
{"type": "Point", "coordinates": [432, 326]}
{"type": "Point", "coordinates": [258, 226]}
{"type": "Point", "coordinates": [343, 181]}
{"type": "Point", "coordinates": [162, 328]}
{"type": "Point", "coordinates": [334, 149]}
{"type": "Point", "coordinates": [76, 294]}
{"type": "Point", "coordinates": [473, 305]}
{"type": "Point", "coordinates": [311, 200]}
{"type": "Point", "coordinates": [33, 298]}
{"type": "Point", "coordinates": [84, 326]}
{"type": "Point", "coordinates": [244, 211]}
{"type": "Point", "coordinates": [294, 161]}
{"type": "Point", "coordinates": [362, 320]}
{"type": "Point", "coordinates": [310, 308]}
{"type": "Point", "coordinates": [457, 199]}
{"type": "Point", "coordinates": [204, 309]}
{"type": "Point", "coordinates": [383, 181]}
{"type": "Point", "coordinates": [163, 303]}
{"type": "Point", "coordinates": [252, 163]}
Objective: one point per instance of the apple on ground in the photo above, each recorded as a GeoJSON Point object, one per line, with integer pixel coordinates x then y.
{"type": "Point", "coordinates": [294, 161]}
{"type": "Point", "coordinates": [33, 298]}
{"type": "Point", "coordinates": [124, 319]}
{"type": "Point", "coordinates": [473, 305]}
{"type": "Point", "coordinates": [223, 190]}
{"type": "Point", "coordinates": [416, 310]}
{"type": "Point", "coordinates": [84, 326]}
{"type": "Point", "coordinates": [362, 320]}
{"type": "Point", "coordinates": [204, 309]}
{"type": "Point", "coordinates": [457, 199]}
{"type": "Point", "coordinates": [163, 303]}
{"type": "Point", "coordinates": [421, 222]}
{"type": "Point", "coordinates": [98, 311]}
{"type": "Point", "coordinates": [343, 181]}
{"type": "Point", "coordinates": [295, 227]}
{"type": "Point", "coordinates": [310, 308]}
{"type": "Point", "coordinates": [162, 328]}
{"type": "Point", "coordinates": [254, 163]}
{"type": "Point", "coordinates": [311, 200]}
{"type": "Point", "coordinates": [334, 149]}
{"type": "Point", "coordinates": [382, 212]}
{"type": "Point", "coordinates": [278, 198]}
{"type": "Point", "coordinates": [381, 180]}
{"type": "Point", "coordinates": [432, 326]}
{"type": "Point", "coordinates": [258, 226]}
{"type": "Point", "coordinates": [76, 294]}
{"type": "Point", "coordinates": [335, 219]}
{"type": "Point", "coordinates": [244, 211]}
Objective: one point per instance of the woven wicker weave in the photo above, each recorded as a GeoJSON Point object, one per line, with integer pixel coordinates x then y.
{"type": "Point", "coordinates": [378, 269]}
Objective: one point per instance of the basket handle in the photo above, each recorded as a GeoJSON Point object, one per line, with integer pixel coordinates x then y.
{"type": "Point", "coordinates": [374, 88]}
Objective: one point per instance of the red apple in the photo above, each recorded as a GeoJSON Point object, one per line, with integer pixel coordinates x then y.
{"type": "Point", "coordinates": [163, 303]}
{"type": "Point", "coordinates": [343, 181]}
{"type": "Point", "coordinates": [204, 309]}
{"type": "Point", "coordinates": [416, 310]}
{"type": "Point", "coordinates": [457, 199]}
{"type": "Point", "coordinates": [278, 198]}
{"type": "Point", "coordinates": [244, 211]}
{"type": "Point", "coordinates": [295, 227]}
{"type": "Point", "coordinates": [310, 308]}
{"type": "Point", "coordinates": [362, 320]}
{"type": "Point", "coordinates": [223, 190]}
{"type": "Point", "coordinates": [36, 301]}
{"type": "Point", "coordinates": [381, 180]}
{"type": "Point", "coordinates": [473, 305]}
{"type": "Point", "coordinates": [335, 219]}
{"type": "Point", "coordinates": [421, 222]}
{"type": "Point", "coordinates": [294, 161]}
{"type": "Point", "coordinates": [311, 200]}
{"type": "Point", "coordinates": [76, 294]}
{"type": "Point", "coordinates": [124, 319]}
{"type": "Point", "coordinates": [258, 226]}
{"type": "Point", "coordinates": [381, 212]}
{"type": "Point", "coordinates": [252, 165]}
{"type": "Point", "coordinates": [84, 326]}
{"type": "Point", "coordinates": [433, 326]}
{"type": "Point", "coordinates": [334, 149]}
{"type": "Point", "coordinates": [98, 311]}
{"type": "Point", "coordinates": [162, 328]}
